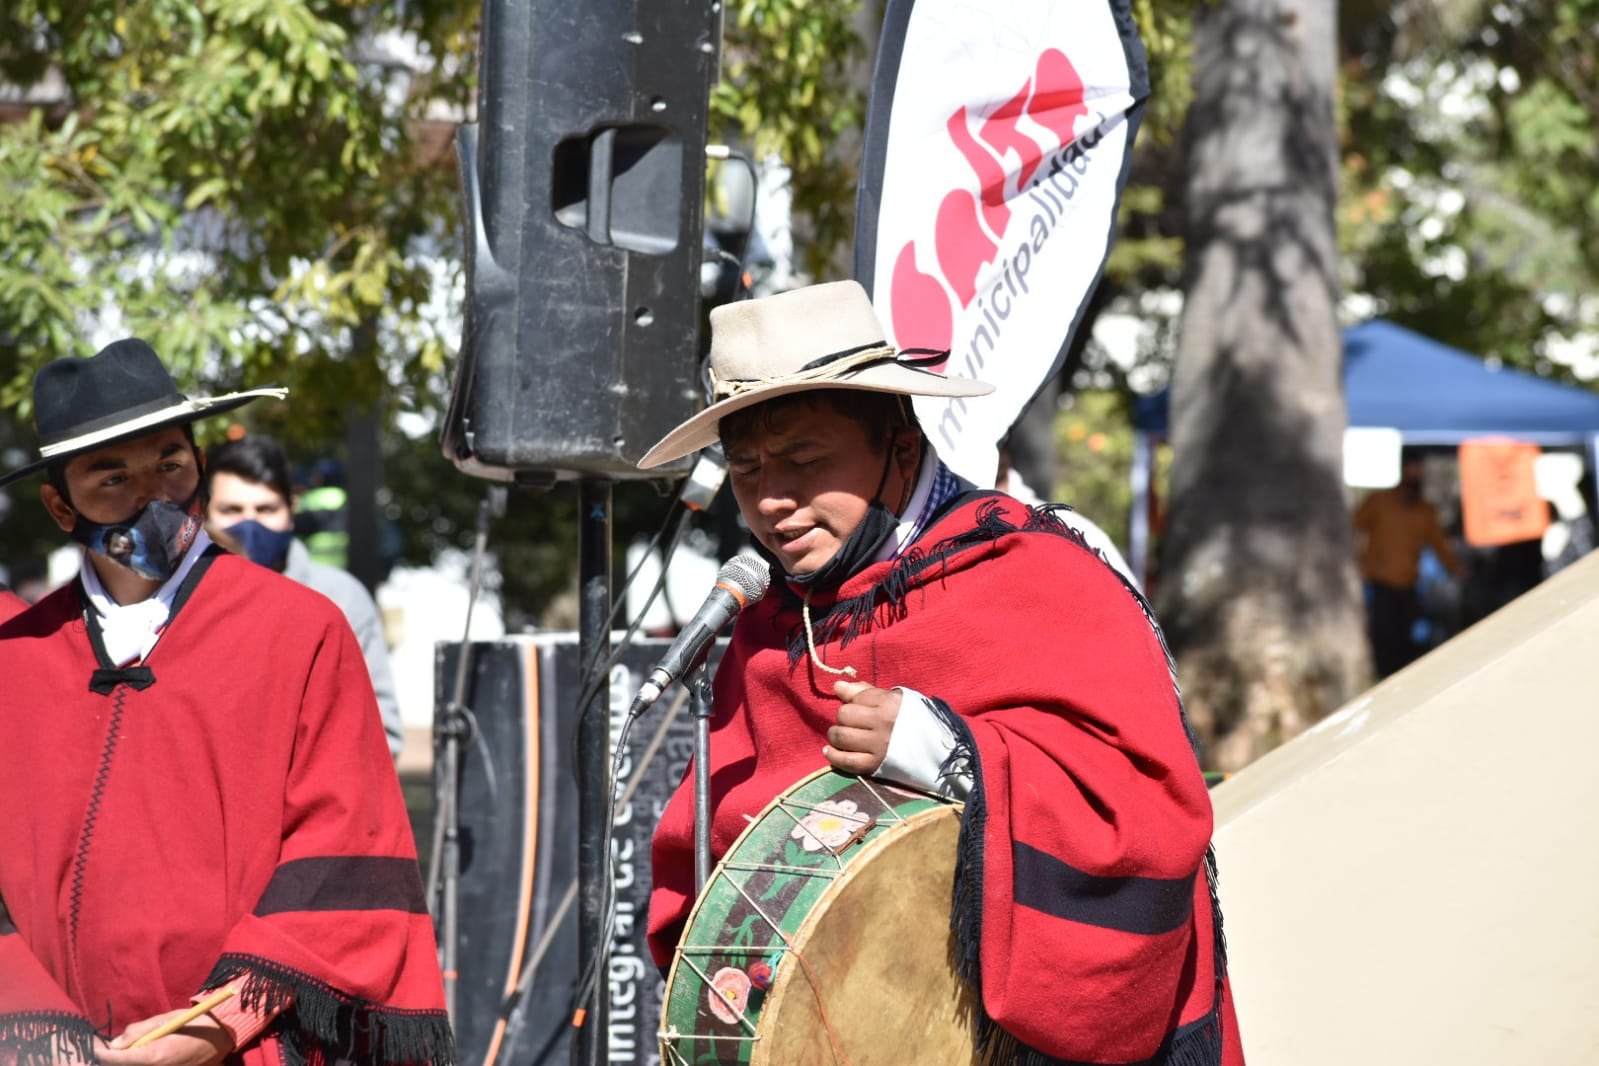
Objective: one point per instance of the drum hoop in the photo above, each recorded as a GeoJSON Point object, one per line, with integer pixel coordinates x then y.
{"type": "Point", "coordinates": [785, 975]}
{"type": "Point", "coordinates": [775, 804]}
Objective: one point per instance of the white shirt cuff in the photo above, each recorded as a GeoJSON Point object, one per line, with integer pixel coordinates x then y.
{"type": "Point", "coordinates": [918, 746]}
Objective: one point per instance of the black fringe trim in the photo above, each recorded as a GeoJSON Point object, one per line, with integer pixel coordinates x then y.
{"type": "Point", "coordinates": [1219, 940]}
{"type": "Point", "coordinates": [1197, 1044]}
{"type": "Point", "coordinates": [318, 1018]}
{"type": "Point", "coordinates": [888, 601]}
{"type": "Point", "coordinates": [966, 908]}
{"type": "Point", "coordinates": [44, 1038]}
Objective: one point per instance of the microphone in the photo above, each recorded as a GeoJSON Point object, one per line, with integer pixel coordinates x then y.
{"type": "Point", "coordinates": [741, 581]}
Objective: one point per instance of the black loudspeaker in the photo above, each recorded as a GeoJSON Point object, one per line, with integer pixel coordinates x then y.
{"type": "Point", "coordinates": [518, 824]}
{"type": "Point", "coordinates": [583, 187]}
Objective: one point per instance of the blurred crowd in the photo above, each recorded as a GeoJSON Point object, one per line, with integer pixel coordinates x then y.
{"type": "Point", "coordinates": [1427, 578]}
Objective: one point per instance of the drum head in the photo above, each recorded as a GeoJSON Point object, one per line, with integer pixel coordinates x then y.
{"type": "Point", "coordinates": [881, 969]}
{"type": "Point", "coordinates": [824, 937]}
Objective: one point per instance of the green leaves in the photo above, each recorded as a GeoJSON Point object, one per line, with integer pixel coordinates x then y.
{"type": "Point", "coordinates": [223, 176]}
{"type": "Point", "coordinates": [1471, 176]}
{"type": "Point", "coordinates": [787, 89]}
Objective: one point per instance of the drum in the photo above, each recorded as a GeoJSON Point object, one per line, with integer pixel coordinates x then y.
{"type": "Point", "coordinates": [824, 937]}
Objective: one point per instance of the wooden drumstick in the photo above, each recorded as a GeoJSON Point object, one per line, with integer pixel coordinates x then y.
{"type": "Point", "coordinates": [215, 999]}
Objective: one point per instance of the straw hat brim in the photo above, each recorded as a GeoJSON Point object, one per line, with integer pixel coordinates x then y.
{"type": "Point", "coordinates": [189, 410]}
{"type": "Point", "coordinates": [701, 431]}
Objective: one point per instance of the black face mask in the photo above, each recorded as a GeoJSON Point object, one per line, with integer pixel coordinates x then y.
{"type": "Point", "coordinates": [857, 551]}
{"type": "Point", "coordinates": [152, 543]}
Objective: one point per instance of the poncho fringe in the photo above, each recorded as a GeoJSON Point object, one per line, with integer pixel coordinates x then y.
{"type": "Point", "coordinates": [926, 579]}
{"type": "Point", "coordinates": [1196, 1044]}
{"type": "Point", "coordinates": [339, 1026]}
{"type": "Point", "coordinates": [41, 1039]}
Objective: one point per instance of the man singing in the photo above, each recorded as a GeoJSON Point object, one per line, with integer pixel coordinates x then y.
{"type": "Point", "coordinates": [961, 642]}
{"type": "Point", "coordinates": [197, 789]}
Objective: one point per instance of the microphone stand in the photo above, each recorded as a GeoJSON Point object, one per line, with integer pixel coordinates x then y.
{"type": "Point", "coordinates": [453, 726]}
{"type": "Point", "coordinates": [699, 688]}
{"type": "Point", "coordinates": [591, 1030]}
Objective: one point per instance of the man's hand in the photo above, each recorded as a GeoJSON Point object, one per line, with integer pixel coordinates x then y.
{"type": "Point", "coordinates": [858, 744]}
{"type": "Point", "coordinates": [202, 1042]}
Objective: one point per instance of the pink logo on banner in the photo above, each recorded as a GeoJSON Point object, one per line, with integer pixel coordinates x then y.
{"type": "Point", "coordinates": [967, 231]}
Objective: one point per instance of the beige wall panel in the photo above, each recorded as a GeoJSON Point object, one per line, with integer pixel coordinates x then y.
{"type": "Point", "coordinates": [1417, 879]}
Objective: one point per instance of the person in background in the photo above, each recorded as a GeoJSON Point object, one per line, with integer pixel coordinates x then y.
{"type": "Point", "coordinates": [252, 506]}
{"type": "Point", "coordinates": [188, 767]}
{"type": "Point", "coordinates": [1392, 526]}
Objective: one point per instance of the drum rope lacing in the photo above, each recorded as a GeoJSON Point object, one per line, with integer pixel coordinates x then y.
{"type": "Point", "coordinates": [787, 807]}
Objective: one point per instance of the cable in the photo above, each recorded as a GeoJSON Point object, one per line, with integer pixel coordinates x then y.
{"type": "Point", "coordinates": [444, 864]}
{"type": "Point", "coordinates": [493, 503]}
{"type": "Point", "coordinates": [593, 675]}
{"type": "Point", "coordinates": [590, 975]}
{"type": "Point", "coordinates": [592, 679]}
{"type": "Point", "coordinates": [524, 983]}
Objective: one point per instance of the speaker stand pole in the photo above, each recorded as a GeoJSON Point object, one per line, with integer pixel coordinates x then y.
{"type": "Point", "coordinates": [593, 759]}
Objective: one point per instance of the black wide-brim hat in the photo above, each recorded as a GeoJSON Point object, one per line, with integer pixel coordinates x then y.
{"type": "Point", "coordinates": [121, 391]}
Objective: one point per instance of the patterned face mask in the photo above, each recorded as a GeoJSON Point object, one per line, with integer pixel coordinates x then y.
{"type": "Point", "coordinates": [152, 543]}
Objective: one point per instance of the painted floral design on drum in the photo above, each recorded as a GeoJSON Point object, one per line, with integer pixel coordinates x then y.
{"type": "Point", "coordinates": [830, 825]}
{"type": "Point", "coordinates": [729, 993]}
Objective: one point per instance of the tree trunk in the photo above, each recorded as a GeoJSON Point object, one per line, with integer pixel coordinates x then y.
{"type": "Point", "coordinates": [363, 474]}
{"type": "Point", "coordinates": [1258, 592]}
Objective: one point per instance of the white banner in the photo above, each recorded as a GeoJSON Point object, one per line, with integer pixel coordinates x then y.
{"type": "Point", "coordinates": [996, 151]}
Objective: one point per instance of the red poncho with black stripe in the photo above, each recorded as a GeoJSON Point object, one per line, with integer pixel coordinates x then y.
{"type": "Point", "coordinates": [224, 812]}
{"type": "Point", "coordinates": [1084, 898]}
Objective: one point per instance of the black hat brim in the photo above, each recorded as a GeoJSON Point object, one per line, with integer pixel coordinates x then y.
{"type": "Point", "coordinates": [189, 410]}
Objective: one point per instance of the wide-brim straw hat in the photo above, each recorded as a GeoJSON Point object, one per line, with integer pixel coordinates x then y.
{"type": "Point", "coordinates": [819, 337]}
{"type": "Point", "coordinates": [120, 392]}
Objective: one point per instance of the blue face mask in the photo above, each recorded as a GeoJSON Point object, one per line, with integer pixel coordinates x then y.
{"type": "Point", "coordinates": [152, 543]}
{"type": "Point", "coordinates": [268, 547]}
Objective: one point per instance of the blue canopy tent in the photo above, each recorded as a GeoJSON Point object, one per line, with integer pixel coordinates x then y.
{"type": "Point", "coordinates": [1429, 392]}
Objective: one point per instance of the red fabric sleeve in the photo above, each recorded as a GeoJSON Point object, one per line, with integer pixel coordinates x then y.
{"type": "Point", "coordinates": [1092, 814]}
{"type": "Point", "coordinates": [243, 1023]}
{"type": "Point", "coordinates": [341, 940]}
{"type": "Point", "coordinates": [37, 1019]}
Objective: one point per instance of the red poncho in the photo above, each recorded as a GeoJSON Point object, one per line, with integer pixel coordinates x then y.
{"type": "Point", "coordinates": [1083, 898]}
{"type": "Point", "coordinates": [227, 810]}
